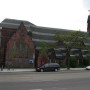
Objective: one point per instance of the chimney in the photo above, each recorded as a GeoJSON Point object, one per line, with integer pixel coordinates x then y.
{"type": "Point", "coordinates": [88, 22]}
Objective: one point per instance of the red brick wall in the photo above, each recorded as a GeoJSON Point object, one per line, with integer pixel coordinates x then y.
{"type": "Point", "coordinates": [88, 30]}
{"type": "Point", "coordinates": [20, 35]}
{"type": "Point", "coordinates": [5, 37]}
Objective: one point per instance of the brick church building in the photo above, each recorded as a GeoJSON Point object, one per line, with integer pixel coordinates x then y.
{"type": "Point", "coordinates": [20, 44]}
{"type": "Point", "coordinates": [17, 48]}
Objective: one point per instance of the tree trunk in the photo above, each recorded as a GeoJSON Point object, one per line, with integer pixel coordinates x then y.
{"type": "Point", "coordinates": [80, 57]}
{"type": "Point", "coordinates": [68, 59]}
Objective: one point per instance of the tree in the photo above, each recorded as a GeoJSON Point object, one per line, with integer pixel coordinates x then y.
{"type": "Point", "coordinates": [73, 62]}
{"type": "Point", "coordinates": [44, 50]}
{"type": "Point", "coordinates": [71, 40]}
{"type": "Point", "coordinates": [86, 62]}
{"type": "Point", "coordinates": [43, 46]}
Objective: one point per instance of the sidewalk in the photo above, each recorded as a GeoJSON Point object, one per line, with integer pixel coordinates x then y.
{"type": "Point", "coordinates": [33, 70]}
{"type": "Point", "coordinates": [73, 69]}
{"type": "Point", "coordinates": [17, 70]}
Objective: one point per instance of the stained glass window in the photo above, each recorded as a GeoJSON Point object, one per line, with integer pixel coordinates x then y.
{"type": "Point", "coordinates": [17, 61]}
{"type": "Point", "coordinates": [21, 49]}
{"type": "Point", "coordinates": [23, 61]}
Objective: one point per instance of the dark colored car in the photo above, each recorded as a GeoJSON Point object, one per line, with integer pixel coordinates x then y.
{"type": "Point", "coordinates": [49, 67]}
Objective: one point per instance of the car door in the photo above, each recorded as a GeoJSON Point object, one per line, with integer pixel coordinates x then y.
{"type": "Point", "coordinates": [46, 67]}
{"type": "Point", "coordinates": [50, 67]}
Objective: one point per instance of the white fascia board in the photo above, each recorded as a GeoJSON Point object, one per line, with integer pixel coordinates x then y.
{"type": "Point", "coordinates": [39, 40]}
{"type": "Point", "coordinates": [14, 24]}
{"type": "Point", "coordinates": [39, 33]}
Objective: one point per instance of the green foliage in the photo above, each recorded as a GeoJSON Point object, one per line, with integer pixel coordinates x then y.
{"type": "Point", "coordinates": [79, 38]}
{"type": "Point", "coordinates": [86, 62]}
{"type": "Point", "coordinates": [43, 50]}
{"type": "Point", "coordinates": [51, 45]}
{"type": "Point", "coordinates": [63, 66]}
{"type": "Point", "coordinates": [73, 39]}
{"type": "Point", "coordinates": [43, 46]}
{"type": "Point", "coordinates": [73, 62]}
{"type": "Point", "coordinates": [14, 53]}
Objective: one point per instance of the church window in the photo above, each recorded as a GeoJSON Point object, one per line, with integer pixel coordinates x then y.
{"type": "Point", "coordinates": [20, 50]}
{"type": "Point", "coordinates": [23, 61]}
{"type": "Point", "coordinates": [17, 61]}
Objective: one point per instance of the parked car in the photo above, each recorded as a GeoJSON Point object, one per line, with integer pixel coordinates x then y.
{"type": "Point", "coordinates": [88, 68]}
{"type": "Point", "coordinates": [48, 67]}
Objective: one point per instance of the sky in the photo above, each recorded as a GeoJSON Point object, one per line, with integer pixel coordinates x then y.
{"type": "Point", "coordinates": [65, 14]}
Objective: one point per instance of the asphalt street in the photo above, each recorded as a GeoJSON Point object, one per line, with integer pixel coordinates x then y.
{"type": "Point", "coordinates": [62, 80]}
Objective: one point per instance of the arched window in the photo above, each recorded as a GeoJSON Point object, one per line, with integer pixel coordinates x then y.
{"type": "Point", "coordinates": [20, 50]}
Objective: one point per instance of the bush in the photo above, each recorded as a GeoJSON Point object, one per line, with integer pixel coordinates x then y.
{"type": "Point", "coordinates": [73, 62]}
{"type": "Point", "coordinates": [86, 62]}
{"type": "Point", "coordinates": [63, 66]}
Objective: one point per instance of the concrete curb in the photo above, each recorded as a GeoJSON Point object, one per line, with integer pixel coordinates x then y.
{"type": "Point", "coordinates": [17, 70]}
{"type": "Point", "coordinates": [33, 70]}
{"type": "Point", "coordinates": [73, 69]}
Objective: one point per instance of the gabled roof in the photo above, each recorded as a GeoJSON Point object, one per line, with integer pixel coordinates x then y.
{"type": "Point", "coordinates": [13, 23]}
{"type": "Point", "coordinates": [50, 30]}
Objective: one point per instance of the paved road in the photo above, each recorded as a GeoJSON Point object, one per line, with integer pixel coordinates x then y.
{"type": "Point", "coordinates": [62, 80]}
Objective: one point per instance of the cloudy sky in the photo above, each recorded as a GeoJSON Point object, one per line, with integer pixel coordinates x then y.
{"type": "Point", "coordinates": [66, 14]}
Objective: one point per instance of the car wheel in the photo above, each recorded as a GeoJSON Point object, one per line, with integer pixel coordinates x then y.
{"type": "Point", "coordinates": [56, 69]}
{"type": "Point", "coordinates": [42, 70]}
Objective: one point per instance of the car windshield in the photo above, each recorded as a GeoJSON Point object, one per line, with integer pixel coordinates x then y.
{"type": "Point", "coordinates": [45, 65]}
{"type": "Point", "coordinates": [50, 65]}
{"type": "Point", "coordinates": [54, 64]}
